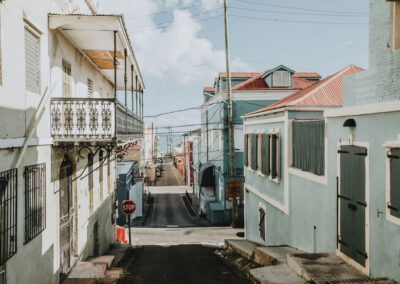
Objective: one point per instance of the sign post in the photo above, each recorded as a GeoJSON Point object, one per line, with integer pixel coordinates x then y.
{"type": "Point", "coordinates": [128, 208]}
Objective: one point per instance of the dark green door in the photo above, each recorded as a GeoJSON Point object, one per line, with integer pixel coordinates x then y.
{"type": "Point", "coordinates": [352, 202]}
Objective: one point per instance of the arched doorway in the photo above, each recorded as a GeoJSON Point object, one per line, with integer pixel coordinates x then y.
{"type": "Point", "coordinates": [66, 228]}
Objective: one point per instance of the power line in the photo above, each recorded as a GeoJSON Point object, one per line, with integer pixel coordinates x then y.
{"type": "Point", "coordinates": [179, 110]}
{"type": "Point", "coordinates": [296, 13]}
{"type": "Point", "coordinates": [299, 8]}
{"type": "Point", "coordinates": [297, 21]}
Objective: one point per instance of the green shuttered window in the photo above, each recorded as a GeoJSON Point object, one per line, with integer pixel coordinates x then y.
{"type": "Point", "coordinates": [261, 224]}
{"type": "Point", "coordinates": [395, 182]}
{"type": "Point", "coordinates": [32, 61]}
{"type": "Point", "coordinates": [254, 142]}
{"type": "Point", "coordinates": [309, 146]}
{"type": "Point", "coordinates": [265, 154]}
{"type": "Point", "coordinates": [246, 150]}
{"type": "Point", "coordinates": [274, 155]}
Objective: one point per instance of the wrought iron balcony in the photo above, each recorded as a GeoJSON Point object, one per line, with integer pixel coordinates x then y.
{"type": "Point", "coordinates": [92, 120]}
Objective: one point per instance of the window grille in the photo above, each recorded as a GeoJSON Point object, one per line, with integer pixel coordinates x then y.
{"type": "Point", "coordinates": [90, 180]}
{"type": "Point", "coordinates": [90, 88]}
{"type": "Point", "coordinates": [101, 159]}
{"type": "Point", "coordinates": [2, 273]}
{"type": "Point", "coordinates": [32, 61]}
{"type": "Point", "coordinates": [394, 204]}
{"type": "Point", "coordinates": [309, 146]}
{"type": "Point", "coordinates": [8, 214]}
{"type": "Point", "coordinates": [35, 200]}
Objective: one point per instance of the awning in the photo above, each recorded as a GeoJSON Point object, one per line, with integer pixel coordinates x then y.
{"type": "Point", "coordinates": [206, 175]}
{"type": "Point", "coordinates": [93, 36]}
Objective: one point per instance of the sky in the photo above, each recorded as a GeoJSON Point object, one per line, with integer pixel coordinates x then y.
{"type": "Point", "coordinates": [179, 44]}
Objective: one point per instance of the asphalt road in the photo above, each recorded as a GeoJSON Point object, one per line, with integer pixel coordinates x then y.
{"type": "Point", "coordinates": [170, 210]}
{"type": "Point", "coordinates": [169, 176]}
{"type": "Point", "coordinates": [178, 264]}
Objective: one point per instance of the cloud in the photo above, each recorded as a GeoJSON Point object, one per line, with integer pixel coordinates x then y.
{"type": "Point", "coordinates": [347, 44]}
{"type": "Point", "coordinates": [171, 50]}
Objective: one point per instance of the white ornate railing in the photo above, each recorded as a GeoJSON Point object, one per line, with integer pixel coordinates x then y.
{"type": "Point", "coordinates": [76, 119]}
{"type": "Point", "coordinates": [92, 119]}
{"type": "Point", "coordinates": [128, 123]}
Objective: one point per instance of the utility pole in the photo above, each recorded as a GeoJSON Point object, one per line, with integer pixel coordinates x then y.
{"type": "Point", "coordinates": [152, 142]}
{"type": "Point", "coordinates": [232, 164]}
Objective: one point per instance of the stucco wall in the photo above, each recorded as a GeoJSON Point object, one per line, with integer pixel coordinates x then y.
{"type": "Point", "coordinates": [384, 235]}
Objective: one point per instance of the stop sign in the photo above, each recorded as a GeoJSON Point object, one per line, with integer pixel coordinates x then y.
{"type": "Point", "coordinates": [128, 207]}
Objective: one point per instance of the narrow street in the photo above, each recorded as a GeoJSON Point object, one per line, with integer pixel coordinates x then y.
{"type": "Point", "coordinates": [177, 242]}
{"type": "Point", "coordinates": [169, 176]}
{"type": "Point", "coordinates": [178, 264]}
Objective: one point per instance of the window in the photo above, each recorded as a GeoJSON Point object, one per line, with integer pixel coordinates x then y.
{"type": "Point", "coordinates": [395, 25]}
{"type": "Point", "coordinates": [101, 159]}
{"type": "Point", "coordinates": [265, 168]}
{"type": "Point", "coordinates": [246, 150]}
{"type": "Point", "coordinates": [90, 88]}
{"type": "Point", "coordinates": [394, 203]}
{"type": "Point", "coordinates": [8, 215]}
{"type": "Point", "coordinates": [35, 200]}
{"type": "Point", "coordinates": [254, 142]}
{"type": "Point", "coordinates": [275, 155]}
{"type": "Point", "coordinates": [281, 79]}
{"type": "Point", "coordinates": [261, 223]}
{"type": "Point", "coordinates": [32, 61]}
{"type": "Point", "coordinates": [66, 79]}
{"type": "Point", "coordinates": [90, 181]}
{"type": "Point", "coordinates": [309, 146]}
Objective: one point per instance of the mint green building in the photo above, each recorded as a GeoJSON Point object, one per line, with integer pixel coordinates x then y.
{"type": "Point", "coordinates": [336, 185]}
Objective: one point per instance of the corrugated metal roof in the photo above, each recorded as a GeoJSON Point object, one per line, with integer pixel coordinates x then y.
{"type": "Point", "coordinates": [327, 92]}
{"type": "Point", "coordinates": [238, 74]}
{"type": "Point", "coordinates": [258, 83]}
{"type": "Point", "coordinates": [209, 89]}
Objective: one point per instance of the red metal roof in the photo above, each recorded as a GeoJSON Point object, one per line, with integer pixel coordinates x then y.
{"type": "Point", "coordinates": [209, 89]}
{"type": "Point", "coordinates": [307, 75]}
{"type": "Point", "coordinates": [238, 74]}
{"type": "Point", "coordinates": [327, 92]}
{"type": "Point", "coordinates": [258, 83]}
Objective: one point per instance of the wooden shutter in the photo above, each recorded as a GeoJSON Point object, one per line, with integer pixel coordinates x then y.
{"type": "Point", "coordinates": [274, 155]}
{"type": "Point", "coordinates": [265, 169]}
{"type": "Point", "coordinates": [395, 182]}
{"type": "Point", "coordinates": [246, 150]}
{"type": "Point", "coordinates": [308, 144]}
{"type": "Point", "coordinates": [261, 224]}
{"type": "Point", "coordinates": [32, 61]}
{"type": "Point", "coordinates": [254, 151]}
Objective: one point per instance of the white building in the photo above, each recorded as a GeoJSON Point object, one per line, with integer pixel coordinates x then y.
{"type": "Point", "coordinates": [59, 125]}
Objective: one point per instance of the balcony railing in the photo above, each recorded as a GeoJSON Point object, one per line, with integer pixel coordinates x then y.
{"type": "Point", "coordinates": [92, 120]}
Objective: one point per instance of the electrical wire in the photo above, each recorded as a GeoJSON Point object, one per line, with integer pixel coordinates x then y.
{"type": "Point", "coordinates": [297, 21]}
{"type": "Point", "coordinates": [294, 13]}
{"type": "Point", "coordinates": [299, 8]}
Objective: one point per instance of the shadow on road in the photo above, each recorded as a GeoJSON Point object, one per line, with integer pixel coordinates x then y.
{"type": "Point", "coordinates": [177, 264]}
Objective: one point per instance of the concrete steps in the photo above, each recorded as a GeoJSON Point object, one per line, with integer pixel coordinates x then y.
{"type": "Point", "coordinates": [284, 264]}
{"type": "Point", "coordinates": [94, 270]}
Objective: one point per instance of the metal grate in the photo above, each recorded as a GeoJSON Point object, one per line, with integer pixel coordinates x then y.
{"type": "Point", "coordinates": [2, 277]}
{"type": "Point", "coordinates": [8, 215]}
{"type": "Point", "coordinates": [35, 200]}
